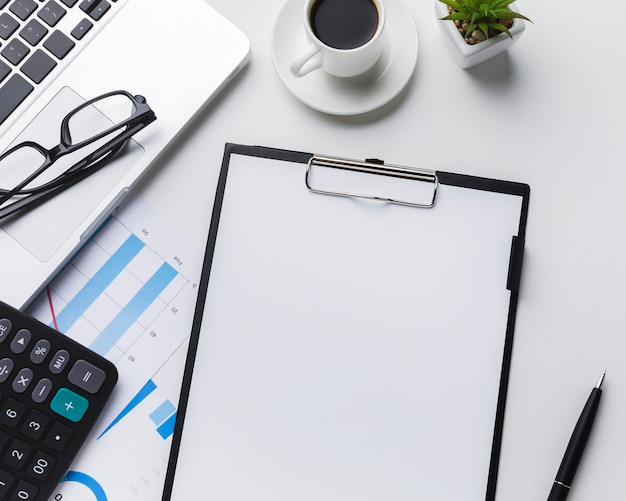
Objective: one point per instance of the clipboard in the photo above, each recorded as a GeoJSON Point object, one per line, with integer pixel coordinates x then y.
{"type": "Point", "coordinates": [353, 333]}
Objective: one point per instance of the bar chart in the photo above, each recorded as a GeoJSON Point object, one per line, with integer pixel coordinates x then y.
{"type": "Point", "coordinates": [97, 286]}
{"type": "Point", "coordinates": [129, 295]}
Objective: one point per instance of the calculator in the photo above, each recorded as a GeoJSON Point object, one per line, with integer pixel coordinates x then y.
{"type": "Point", "coordinates": [52, 390]}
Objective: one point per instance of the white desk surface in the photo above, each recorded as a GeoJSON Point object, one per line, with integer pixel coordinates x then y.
{"type": "Point", "coordinates": [548, 113]}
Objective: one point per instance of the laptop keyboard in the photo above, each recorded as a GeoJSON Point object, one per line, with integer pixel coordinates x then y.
{"type": "Point", "coordinates": [32, 45]}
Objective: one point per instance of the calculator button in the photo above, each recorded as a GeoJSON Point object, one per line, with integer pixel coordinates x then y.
{"type": "Point", "coordinates": [70, 405]}
{"type": "Point", "coordinates": [58, 437]}
{"type": "Point", "coordinates": [86, 376]}
{"type": "Point", "coordinates": [40, 351]}
{"type": "Point", "coordinates": [22, 380]}
{"type": "Point", "coordinates": [59, 362]}
{"type": "Point", "coordinates": [6, 480]}
{"type": "Point", "coordinates": [5, 328]}
{"type": "Point", "coordinates": [12, 412]}
{"type": "Point", "coordinates": [6, 366]}
{"type": "Point", "coordinates": [4, 439]}
{"type": "Point", "coordinates": [20, 341]}
{"type": "Point", "coordinates": [52, 390]}
{"type": "Point", "coordinates": [40, 466]}
{"type": "Point", "coordinates": [24, 491]}
{"type": "Point", "coordinates": [34, 425]}
{"type": "Point", "coordinates": [17, 454]}
{"type": "Point", "coordinates": [42, 390]}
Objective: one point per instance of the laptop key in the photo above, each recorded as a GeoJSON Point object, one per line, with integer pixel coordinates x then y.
{"type": "Point", "coordinates": [23, 8]}
{"type": "Point", "coordinates": [81, 29]}
{"type": "Point", "coordinates": [5, 69]}
{"type": "Point", "coordinates": [33, 32]}
{"type": "Point", "coordinates": [59, 44]}
{"type": "Point", "coordinates": [8, 25]}
{"type": "Point", "coordinates": [101, 9]}
{"type": "Point", "coordinates": [38, 66]}
{"type": "Point", "coordinates": [69, 3]}
{"type": "Point", "coordinates": [87, 5]}
{"type": "Point", "coordinates": [95, 8]}
{"type": "Point", "coordinates": [12, 93]}
{"type": "Point", "coordinates": [15, 51]}
{"type": "Point", "coordinates": [51, 13]}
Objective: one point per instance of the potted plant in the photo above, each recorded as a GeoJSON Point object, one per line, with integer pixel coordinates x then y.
{"type": "Point", "coordinates": [479, 29]}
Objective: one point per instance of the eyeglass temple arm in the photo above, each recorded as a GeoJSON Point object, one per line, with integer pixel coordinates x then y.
{"type": "Point", "coordinates": [105, 150]}
{"type": "Point", "coordinates": [143, 114]}
{"type": "Point", "coordinates": [70, 180]}
{"type": "Point", "coordinates": [79, 171]}
{"type": "Point", "coordinates": [33, 200]}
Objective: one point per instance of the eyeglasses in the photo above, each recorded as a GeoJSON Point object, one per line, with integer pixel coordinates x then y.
{"type": "Point", "coordinates": [36, 174]}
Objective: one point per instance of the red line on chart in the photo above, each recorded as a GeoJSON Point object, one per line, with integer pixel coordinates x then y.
{"type": "Point", "coordinates": [54, 317]}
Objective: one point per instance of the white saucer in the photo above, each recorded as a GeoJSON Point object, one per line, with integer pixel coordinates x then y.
{"type": "Point", "coordinates": [347, 96]}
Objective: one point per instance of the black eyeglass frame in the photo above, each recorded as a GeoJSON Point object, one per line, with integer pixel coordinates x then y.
{"type": "Point", "coordinates": [141, 117]}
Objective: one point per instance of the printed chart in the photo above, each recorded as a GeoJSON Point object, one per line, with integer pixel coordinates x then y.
{"type": "Point", "coordinates": [129, 295]}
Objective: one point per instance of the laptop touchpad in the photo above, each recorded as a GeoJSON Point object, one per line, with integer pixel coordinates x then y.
{"type": "Point", "coordinates": [45, 228]}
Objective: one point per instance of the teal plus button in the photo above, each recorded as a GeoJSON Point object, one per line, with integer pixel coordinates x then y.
{"type": "Point", "coordinates": [70, 405]}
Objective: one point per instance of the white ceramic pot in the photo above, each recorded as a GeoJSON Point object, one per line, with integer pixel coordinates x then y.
{"type": "Point", "coordinates": [471, 55]}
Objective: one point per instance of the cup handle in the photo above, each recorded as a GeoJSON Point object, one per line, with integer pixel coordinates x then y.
{"type": "Point", "coordinates": [299, 66]}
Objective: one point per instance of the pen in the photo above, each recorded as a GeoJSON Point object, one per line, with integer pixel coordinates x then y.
{"type": "Point", "coordinates": [576, 446]}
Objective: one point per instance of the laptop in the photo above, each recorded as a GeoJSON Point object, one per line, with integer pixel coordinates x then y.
{"type": "Point", "coordinates": [178, 54]}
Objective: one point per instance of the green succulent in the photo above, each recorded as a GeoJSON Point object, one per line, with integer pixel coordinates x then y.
{"type": "Point", "coordinates": [482, 14]}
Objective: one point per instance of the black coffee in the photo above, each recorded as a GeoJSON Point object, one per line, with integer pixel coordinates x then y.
{"type": "Point", "coordinates": [344, 24]}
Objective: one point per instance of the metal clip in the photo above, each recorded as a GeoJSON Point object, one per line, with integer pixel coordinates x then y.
{"type": "Point", "coordinates": [371, 167]}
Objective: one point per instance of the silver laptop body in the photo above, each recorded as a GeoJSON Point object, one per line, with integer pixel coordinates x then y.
{"type": "Point", "coordinates": [177, 53]}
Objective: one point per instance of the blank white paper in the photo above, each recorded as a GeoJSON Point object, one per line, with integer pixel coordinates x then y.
{"type": "Point", "coordinates": [350, 349]}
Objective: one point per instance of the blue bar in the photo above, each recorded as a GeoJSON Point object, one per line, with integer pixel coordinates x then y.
{"type": "Point", "coordinates": [98, 283]}
{"type": "Point", "coordinates": [134, 309]}
{"type": "Point", "coordinates": [167, 429]}
{"type": "Point", "coordinates": [165, 410]}
{"type": "Point", "coordinates": [148, 388]}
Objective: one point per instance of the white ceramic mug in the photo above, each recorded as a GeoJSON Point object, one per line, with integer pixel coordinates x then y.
{"type": "Point", "coordinates": [340, 62]}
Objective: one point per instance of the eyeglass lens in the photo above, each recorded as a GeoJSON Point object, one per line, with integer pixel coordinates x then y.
{"type": "Point", "coordinates": [87, 123]}
{"type": "Point", "coordinates": [100, 116]}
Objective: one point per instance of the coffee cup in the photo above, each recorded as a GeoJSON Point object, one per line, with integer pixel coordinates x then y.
{"type": "Point", "coordinates": [345, 37]}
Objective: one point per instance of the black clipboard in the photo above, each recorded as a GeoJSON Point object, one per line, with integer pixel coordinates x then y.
{"type": "Point", "coordinates": [352, 338]}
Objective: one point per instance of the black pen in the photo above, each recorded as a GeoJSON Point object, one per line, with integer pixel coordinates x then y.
{"type": "Point", "coordinates": [576, 446]}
